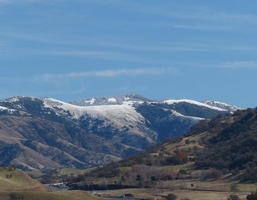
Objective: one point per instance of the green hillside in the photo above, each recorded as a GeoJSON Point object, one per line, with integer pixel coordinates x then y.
{"type": "Point", "coordinates": [17, 185]}
{"type": "Point", "coordinates": [221, 149]}
{"type": "Point", "coordinates": [64, 195]}
{"type": "Point", "coordinates": [12, 179]}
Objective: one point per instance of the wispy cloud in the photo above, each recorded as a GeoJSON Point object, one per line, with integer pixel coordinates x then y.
{"type": "Point", "coordinates": [172, 9]}
{"type": "Point", "coordinates": [87, 43]}
{"type": "Point", "coordinates": [103, 55]}
{"type": "Point", "coordinates": [201, 27]}
{"type": "Point", "coordinates": [35, 38]}
{"type": "Point", "coordinates": [239, 65]}
{"type": "Point", "coordinates": [169, 10]}
{"type": "Point", "coordinates": [99, 42]}
{"type": "Point", "coordinates": [216, 19]}
{"type": "Point", "coordinates": [233, 65]}
{"type": "Point", "coordinates": [17, 1]}
{"type": "Point", "coordinates": [160, 48]}
{"type": "Point", "coordinates": [108, 73]}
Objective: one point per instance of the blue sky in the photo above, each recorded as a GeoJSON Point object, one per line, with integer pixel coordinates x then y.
{"type": "Point", "coordinates": [74, 49]}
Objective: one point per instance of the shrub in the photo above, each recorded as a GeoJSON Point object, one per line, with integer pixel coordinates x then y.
{"type": "Point", "coordinates": [210, 174]}
{"type": "Point", "coordinates": [233, 188]}
{"type": "Point", "coordinates": [15, 196]}
{"type": "Point", "coordinates": [128, 195]}
{"type": "Point", "coordinates": [146, 176]}
{"type": "Point", "coordinates": [233, 197]}
{"type": "Point", "coordinates": [252, 196]}
{"type": "Point", "coordinates": [171, 197]}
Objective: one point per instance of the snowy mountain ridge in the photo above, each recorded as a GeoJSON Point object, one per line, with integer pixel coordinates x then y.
{"type": "Point", "coordinates": [131, 99]}
{"type": "Point", "coordinates": [113, 100]}
{"type": "Point", "coordinates": [94, 131]}
{"type": "Point", "coordinates": [116, 107]}
{"type": "Point", "coordinates": [224, 106]}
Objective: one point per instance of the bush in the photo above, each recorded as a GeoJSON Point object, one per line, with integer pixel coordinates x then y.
{"type": "Point", "coordinates": [233, 197]}
{"type": "Point", "coordinates": [171, 197]}
{"type": "Point", "coordinates": [249, 175]}
{"type": "Point", "coordinates": [146, 176]}
{"type": "Point", "coordinates": [233, 188]}
{"type": "Point", "coordinates": [15, 196]}
{"type": "Point", "coordinates": [210, 174]}
{"type": "Point", "coordinates": [252, 196]}
{"type": "Point", "coordinates": [128, 196]}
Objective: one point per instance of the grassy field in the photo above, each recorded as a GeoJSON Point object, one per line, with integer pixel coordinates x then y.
{"type": "Point", "coordinates": [17, 185]}
{"type": "Point", "coordinates": [159, 194]}
{"type": "Point", "coordinates": [208, 190]}
{"type": "Point", "coordinates": [69, 171]}
{"type": "Point", "coordinates": [247, 187]}
{"type": "Point", "coordinates": [17, 180]}
{"type": "Point", "coordinates": [64, 195]}
{"type": "Point", "coordinates": [179, 167]}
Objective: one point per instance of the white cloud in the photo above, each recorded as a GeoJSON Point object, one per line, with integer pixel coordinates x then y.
{"type": "Point", "coordinates": [180, 11]}
{"type": "Point", "coordinates": [100, 42]}
{"type": "Point", "coordinates": [86, 42]}
{"type": "Point", "coordinates": [103, 55]}
{"type": "Point", "coordinates": [239, 64]}
{"type": "Point", "coordinates": [187, 16]}
{"type": "Point", "coordinates": [202, 27]}
{"type": "Point", "coordinates": [170, 10]}
{"type": "Point", "coordinates": [160, 48]}
{"type": "Point", "coordinates": [108, 73]}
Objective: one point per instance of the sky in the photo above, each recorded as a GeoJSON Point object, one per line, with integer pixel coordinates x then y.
{"type": "Point", "coordinates": [160, 49]}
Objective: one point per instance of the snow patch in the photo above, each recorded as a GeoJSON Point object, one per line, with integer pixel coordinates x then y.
{"type": "Point", "coordinates": [193, 102]}
{"type": "Point", "coordinates": [13, 100]}
{"type": "Point", "coordinates": [184, 116]}
{"type": "Point", "coordinates": [222, 105]}
{"type": "Point", "coordinates": [90, 101]}
{"type": "Point", "coordinates": [3, 108]}
{"type": "Point", "coordinates": [120, 115]}
{"type": "Point", "coordinates": [112, 100]}
{"type": "Point", "coordinates": [131, 103]}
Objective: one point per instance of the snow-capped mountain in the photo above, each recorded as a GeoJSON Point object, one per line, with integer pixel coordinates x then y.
{"type": "Point", "coordinates": [131, 99]}
{"type": "Point", "coordinates": [115, 100]}
{"type": "Point", "coordinates": [224, 106]}
{"type": "Point", "coordinates": [91, 132]}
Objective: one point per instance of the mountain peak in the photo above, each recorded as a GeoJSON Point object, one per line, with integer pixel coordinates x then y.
{"type": "Point", "coordinates": [208, 104]}
{"type": "Point", "coordinates": [112, 100]}
{"type": "Point", "coordinates": [228, 107]}
{"type": "Point", "coordinates": [18, 98]}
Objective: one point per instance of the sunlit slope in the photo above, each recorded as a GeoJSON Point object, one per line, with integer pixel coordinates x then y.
{"type": "Point", "coordinates": [17, 185]}
{"type": "Point", "coordinates": [64, 195]}
{"type": "Point", "coordinates": [16, 180]}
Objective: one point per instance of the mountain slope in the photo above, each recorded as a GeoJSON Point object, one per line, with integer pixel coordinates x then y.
{"type": "Point", "coordinates": [223, 148]}
{"type": "Point", "coordinates": [36, 143]}
{"type": "Point", "coordinates": [45, 133]}
{"type": "Point", "coordinates": [17, 185]}
{"type": "Point", "coordinates": [12, 180]}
